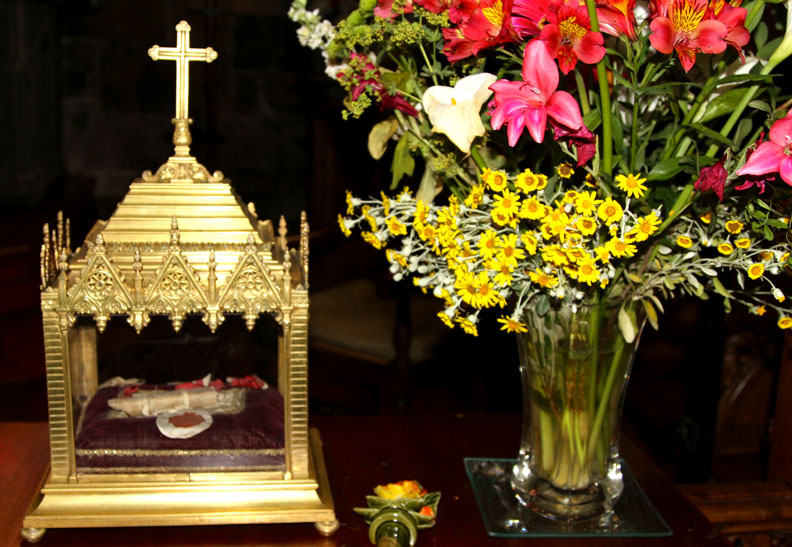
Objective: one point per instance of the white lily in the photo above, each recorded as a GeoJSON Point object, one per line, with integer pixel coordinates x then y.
{"type": "Point", "coordinates": [456, 111]}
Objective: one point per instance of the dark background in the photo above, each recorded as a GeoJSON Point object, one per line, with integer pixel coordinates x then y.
{"type": "Point", "coordinates": [83, 111]}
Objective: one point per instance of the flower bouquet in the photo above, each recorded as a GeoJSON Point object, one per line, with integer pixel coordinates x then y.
{"type": "Point", "coordinates": [578, 163]}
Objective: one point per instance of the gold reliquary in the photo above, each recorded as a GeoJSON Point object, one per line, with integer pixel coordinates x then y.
{"type": "Point", "coordinates": [176, 341]}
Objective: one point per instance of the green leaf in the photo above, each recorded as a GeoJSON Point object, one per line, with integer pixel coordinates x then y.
{"type": "Point", "coordinates": [403, 162]}
{"type": "Point", "coordinates": [760, 105]}
{"type": "Point", "coordinates": [769, 48]}
{"type": "Point", "coordinates": [665, 169]}
{"type": "Point", "coordinates": [592, 119]}
{"type": "Point", "coordinates": [711, 133]}
{"type": "Point", "coordinates": [760, 35]}
{"type": "Point", "coordinates": [635, 278]}
{"type": "Point", "coordinates": [719, 288]}
{"type": "Point", "coordinates": [651, 313]}
{"type": "Point", "coordinates": [627, 324]}
{"type": "Point", "coordinates": [743, 130]}
{"type": "Point", "coordinates": [542, 304]}
{"type": "Point", "coordinates": [380, 135]}
{"type": "Point", "coordinates": [428, 188]}
{"type": "Point", "coordinates": [723, 104]}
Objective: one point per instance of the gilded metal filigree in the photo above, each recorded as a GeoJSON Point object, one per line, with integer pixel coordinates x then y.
{"type": "Point", "coordinates": [134, 266]}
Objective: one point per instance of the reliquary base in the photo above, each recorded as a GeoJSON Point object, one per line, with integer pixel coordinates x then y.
{"type": "Point", "coordinates": [185, 500]}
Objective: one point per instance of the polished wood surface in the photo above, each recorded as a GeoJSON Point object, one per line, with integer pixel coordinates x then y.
{"type": "Point", "coordinates": [360, 452]}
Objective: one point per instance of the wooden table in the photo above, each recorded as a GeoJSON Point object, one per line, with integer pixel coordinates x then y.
{"type": "Point", "coordinates": [360, 453]}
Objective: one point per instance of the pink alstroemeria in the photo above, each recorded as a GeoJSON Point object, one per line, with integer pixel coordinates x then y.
{"type": "Point", "coordinates": [617, 17]}
{"type": "Point", "coordinates": [489, 25]}
{"type": "Point", "coordinates": [528, 104]}
{"type": "Point", "coordinates": [775, 155]}
{"type": "Point", "coordinates": [685, 30]}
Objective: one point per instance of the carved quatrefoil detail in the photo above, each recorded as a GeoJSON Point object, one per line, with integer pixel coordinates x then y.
{"type": "Point", "coordinates": [100, 284]}
{"type": "Point", "coordinates": [250, 283]}
{"type": "Point", "coordinates": [175, 284]}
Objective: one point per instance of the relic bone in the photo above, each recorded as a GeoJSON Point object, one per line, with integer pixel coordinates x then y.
{"type": "Point", "coordinates": [153, 403]}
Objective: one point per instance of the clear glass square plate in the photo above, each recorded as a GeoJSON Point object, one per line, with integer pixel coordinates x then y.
{"type": "Point", "coordinates": [504, 516]}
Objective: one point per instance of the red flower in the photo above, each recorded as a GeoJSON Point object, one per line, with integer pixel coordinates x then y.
{"type": "Point", "coordinates": [461, 11]}
{"type": "Point", "coordinates": [617, 17]}
{"type": "Point", "coordinates": [568, 36]}
{"type": "Point", "coordinates": [583, 140]}
{"type": "Point", "coordinates": [435, 6]}
{"type": "Point", "coordinates": [685, 30]}
{"type": "Point", "coordinates": [385, 10]}
{"type": "Point", "coordinates": [487, 26]}
{"type": "Point", "coordinates": [733, 17]}
{"type": "Point", "coordinates": [529, 16]}
{"type": "Point", "coordinates": [712, 178]}
{"type": "Point", "coordinates": [565, 28]}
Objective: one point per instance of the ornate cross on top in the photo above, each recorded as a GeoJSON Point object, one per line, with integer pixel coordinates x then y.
{"type": "Point", "coordinates": [182, 54]}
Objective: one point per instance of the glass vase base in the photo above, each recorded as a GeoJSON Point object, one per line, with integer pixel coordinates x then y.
{"type": "Point", "coordinates": [505, 516]}
{"type": "Point", "coordinates": [565, 505]}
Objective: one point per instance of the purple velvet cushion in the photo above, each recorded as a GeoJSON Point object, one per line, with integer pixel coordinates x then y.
{"type": "Point", "coordinates": [258, 426]}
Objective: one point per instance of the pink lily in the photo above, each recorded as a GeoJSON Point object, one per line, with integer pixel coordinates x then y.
{"type": "Point", "coordinates": [775, 155]}
{"type": "Point", "coordinates": [527, 104]}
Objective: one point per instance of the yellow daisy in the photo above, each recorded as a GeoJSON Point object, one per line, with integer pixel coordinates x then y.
{"type": "Point", "coordinates": [725, 249]}
{"type": "Point", "coordinates": [785, 322]}
{"type": "Point", "coordinates": [372, 240]}
{"type": "Point", "coordinates": [543, 279]}
{"type": "Point", "coordinates": [621, 247]}
{"type": "Point", "coordinates": [734, 226]}
{"type": "Point", "coordinates": [586, 225]}
{"type": "Point", "coordinates": [532, 209]}
{"type": "Point", "coordinates": [610, 211]}
{"type": "Point", "coordinates": [527, 181]}
{"type": "Point", "coordinates": [511, 325]}
{"type": "Point", "coordinates": [684, 241]}
{"type": "Point", "coordinates": [467, 325]}
{"type": "Point", "coordinates": [445, 319]}
{"type": "Point", "coordinates": [350, 205]}
{"type": "Point", "coordinates": [342, 224]}
{"type": "Point", "coordinates": [633, 185]}
{"type": "Point", "coordinates": [496, 180]}
{"type": "Point", "coordinates": [742, 243]}
{"type": "Point", "coordinates": [565, 170]}
{"type": "Point", "coordinates": [396, 227]}
{"type": "Point", "coordinates": [508, 202]}
{"type": "Point", "coordinates": [529, 240]}
{"type": "Point", "coordinates": [475, 197]}
{"type": "Point", "coordinates": [587, 271]}
{"type": "Point", "coordinates": [645, 227]}
{"type": "Point", "coordinates": [706, 218]}
{"type": "Point", "coordinates": [756, 270]}
{"type": "Point", "coordinates": [586, 203]}
{"type": "Point", "coordinates": [509, 252]}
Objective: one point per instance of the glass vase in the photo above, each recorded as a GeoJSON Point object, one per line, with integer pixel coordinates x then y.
{"type": "Point", "coordinates": [575, 362]}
